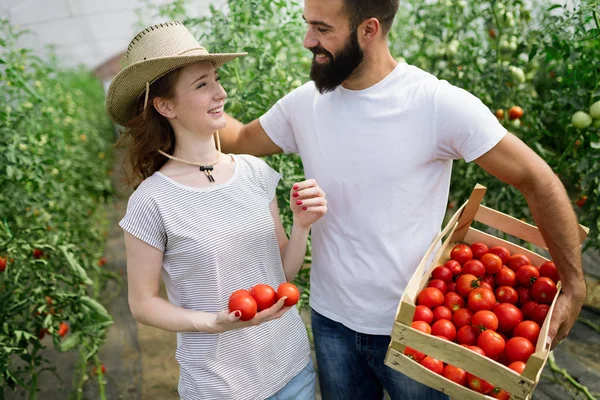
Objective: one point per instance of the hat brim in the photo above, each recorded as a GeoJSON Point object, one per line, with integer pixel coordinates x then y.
{"type": "Point", "coordinates": [130, 82]}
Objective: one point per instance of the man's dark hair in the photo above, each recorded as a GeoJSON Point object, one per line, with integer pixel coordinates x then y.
{"type": "Point", "coordinates": [361, 10]}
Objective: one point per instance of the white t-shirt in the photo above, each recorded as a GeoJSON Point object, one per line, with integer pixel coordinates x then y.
{"type": "Point", "coordinates": [383, 156]}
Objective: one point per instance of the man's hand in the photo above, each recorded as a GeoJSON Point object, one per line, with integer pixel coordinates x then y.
{"type": "Point", "coordinates": [566, 311]}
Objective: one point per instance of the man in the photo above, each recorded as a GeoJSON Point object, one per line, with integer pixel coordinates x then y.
{"type": "Point", "coordinates": [379, 137]}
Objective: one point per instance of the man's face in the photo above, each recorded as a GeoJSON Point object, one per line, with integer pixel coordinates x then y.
{"type": "Point", "coordinates": [335, 46]}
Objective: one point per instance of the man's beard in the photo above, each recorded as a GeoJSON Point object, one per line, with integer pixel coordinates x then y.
{"type": "Point", "coordinates": [328, 76]}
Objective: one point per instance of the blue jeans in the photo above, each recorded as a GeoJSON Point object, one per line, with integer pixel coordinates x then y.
{"type": "Point", "coordinates": [303, 386]}
{"type": "Point", "coordinates": [351, 366]}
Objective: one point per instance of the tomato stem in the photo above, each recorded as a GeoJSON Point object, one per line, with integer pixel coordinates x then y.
{"type": "Point", "coordinates": [561, 371]}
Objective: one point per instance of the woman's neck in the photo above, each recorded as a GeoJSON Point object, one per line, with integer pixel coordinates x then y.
{"type": "Point", "coordinates": [195, 148]}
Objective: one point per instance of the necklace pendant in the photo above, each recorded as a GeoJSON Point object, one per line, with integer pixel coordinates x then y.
{"type": "Point", "coordinates": [206, 170]}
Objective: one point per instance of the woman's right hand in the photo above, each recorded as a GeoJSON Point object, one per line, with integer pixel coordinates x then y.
{"type": "Point", "coordinates": [226, 321]}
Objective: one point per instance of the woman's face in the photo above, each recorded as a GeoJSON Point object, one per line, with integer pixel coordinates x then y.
{"type": "Point", "coordinates": [199, 98]}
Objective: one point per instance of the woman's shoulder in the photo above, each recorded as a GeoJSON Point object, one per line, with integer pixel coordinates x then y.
{"type": "Point", "coordinates": [149, 188]}
{"type": "Point", "coordinates": [251, 161]}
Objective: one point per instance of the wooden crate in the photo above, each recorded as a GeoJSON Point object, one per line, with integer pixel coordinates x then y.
{"type": "Point", "coordinates": [459, 230]}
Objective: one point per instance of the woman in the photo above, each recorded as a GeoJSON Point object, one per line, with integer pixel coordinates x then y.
{"type": "Point", "coordinates": [209, 224]}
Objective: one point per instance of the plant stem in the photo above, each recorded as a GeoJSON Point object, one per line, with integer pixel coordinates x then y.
{"type": "Point", "coordinates": [555, 368]}
{"type": "Point", "coordinates": [33, 387]}
{"type": "Point", "coordinates": [100, 376]}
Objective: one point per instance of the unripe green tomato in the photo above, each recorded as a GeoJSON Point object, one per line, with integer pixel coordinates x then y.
{"type": "Point", "coordinates": [581, 120]}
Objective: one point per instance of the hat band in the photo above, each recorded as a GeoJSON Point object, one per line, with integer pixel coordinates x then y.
{"type": "Point", "coordinates": [202, 50]}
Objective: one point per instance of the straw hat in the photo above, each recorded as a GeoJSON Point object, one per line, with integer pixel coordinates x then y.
{"type": "Point", "coordinates": [154, 52]}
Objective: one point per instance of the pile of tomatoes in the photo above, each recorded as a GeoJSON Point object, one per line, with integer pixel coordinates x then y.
{"type": "Point", "coordinates": [260, 297]}
{"type": "Point", "coordinates": [488, 301]}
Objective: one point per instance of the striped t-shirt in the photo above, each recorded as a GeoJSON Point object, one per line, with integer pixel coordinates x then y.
{"type": "Point", "coordinates": [217, 240]}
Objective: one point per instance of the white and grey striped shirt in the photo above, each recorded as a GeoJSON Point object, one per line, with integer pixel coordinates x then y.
{"type": "Point", "coordinates": [217, 240]}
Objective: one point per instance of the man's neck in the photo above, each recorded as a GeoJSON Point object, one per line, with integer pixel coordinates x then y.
{"type": "Point", "coordinates": [374, 68]}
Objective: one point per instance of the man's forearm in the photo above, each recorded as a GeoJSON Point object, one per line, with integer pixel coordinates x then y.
{"type": "Point", "coordinates": [229, 135]}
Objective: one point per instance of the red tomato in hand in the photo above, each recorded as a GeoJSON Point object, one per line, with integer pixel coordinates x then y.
{"type": "Point", "coordinates": [517, 366]}
{"type": "Point", "coordinates": [501, 252]}
{"type": "Point", "coordinates": [478, 249]}
{"type": "Point", "coordinates": [442, 312]}
{"type": "Point", "coordinates": [264, 295]}
{"type": "Point", "coordinates": [530, 330]}
{"type": "Point", "coordinates": [507, 294]}
{"type": "Point", "coordinates": [467, 335]}
{"type": "Point", "coordinates": [485, 319]}
{"type": "Point", "coordinates": [508, 315]}
{"type": "Point", "coordinates": [430, 297]}
{"type": "Point", "coordinates": [438, 283]}
{"type": "Point", "coordinates": [524, 295]}
{"type": "Point", "coordinates": [445, 328]}
{"type": "Point", "coordinates": [478, 384]}
{"type": "Point", "coordinates": [421, 326]}
{"type": "Point", "coordinates": [454, 267]}
{"type": "Point", "coordinates": [462, 317]}
{"type": "Point", "coordinates": [526, 275]}
{"type": "Point", "coordinates": [506, 277]}
{"type": "Point", "coordinates": [548, 270]}
{"type": "Point", "coordinates": [481, 299]}
{"type": "Point", "coordinates": [455, 374]}
{"type": "Point", "coordinates": [491, 343]}
{"type": "Point", "coordinates": [519, 349]}
{"type": "Point", "coordinates": [516, 261]}
{"type": "Point", "coordinates": [529, 307]}
{"type": "Point", "coordinates": [492, 263]}
{"type": "Point", "coordinates": [414, 354]}
{"type": "Point", "coordinates": [539, 313]}
{"type": "Point", "coordinates": [461, 253]}
{"type": "Point", "coordinates": [465, 284]}
{"type": "Point", "coordinates": [544, 290]}
{"type": "Point", "coordinates": [454, 301]}
{"type": "Point", "coordinates": [423, 313]}
{"type": "Point", "coordinates": [289, 290]}
{"type": "Point", "coordinates": [245, 304]}
{"type": "Point", "coordinates": [433, 364]}
{"type": "Point", "coordinates": [442, 273]}
{"type": "Point", "coordinates": [474, 267]}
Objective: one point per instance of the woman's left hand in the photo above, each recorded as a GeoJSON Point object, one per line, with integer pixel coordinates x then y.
{"type": "Point", "coordinates": [308, 203]}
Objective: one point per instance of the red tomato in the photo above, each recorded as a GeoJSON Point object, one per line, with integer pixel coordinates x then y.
{"type": "Point", "coordinates": [454, 267]}
{"type": "Point", "coordinates": [238, 292]}
{"type": "Point", "coordinates": [37, 254]}
{"type": "Point", "coordinates": [454, 301]}
{"type": "Point", "coordinates": [516, 261]}
{"type": "Point", "coordinates": [548, 270]}
{"type": "Point", "coordinates": [478, 384]}
{"type": "Point", "coordinates": [451, 287]}
{"type": "Point", "coordinates": [433, 364]}
{"type": "Point", "coordinates": [492, 263]}
{"type": "Point", "coordinates": [543, 290]}
{"type": "Point", "coordinates": [507, 294]}
{"type": "Point", "coordinates": [461, 253]}
{"type": "Point", "coordinates": [462, 317]}
{"type": "Point", "coordinates": [438, 283]}
{"type": "Point", "coordinates": [442, 337]}
{"type": "Point", "coordinates": [485, 285]}
{"type": "Point", "coordinates": [528, 308]}
{"type": "Point", "coordinates": [517, 366]}
{"type": "Point", "coordinates": [289, 290]}
{"type": "Point", "coordinates": [530, 330]}
{"type": "Point", "coordinates": [498, 393]}
{"type": "Point", "coordinates": [506, 277]}
{"type": "Point", "coordinates": [539, 313]}
{"type": "Point", "coordinates": [490, 280]}
{"type": "Point", "coordinates": [2, 264]}
{"type": "Point", "coordinates": [63, 329]}
{"type": "Point", "coordinates": [491, 343]}
{"type": "Point", "coordinates": [445, 328]}
{"type": "Point", "coordinates": [455, 374]}
{"type": "Point", "coordinates": [467, 335]}
{"type": "Point", "coordinates": [424, 314]}
{"type": "Point", "coordinates": [501, 252]}
{"type": "Point", "coordinates": [519, 349]}
{"type": "Point", "coordinates": [422, 326]}
{"type": "Point", "coordinates": [245, 304]}
{"type": "Point", "coordinates": [524, 295]}
{"type": "Point", "coordinates": [430, 297]}
{"type": "Point", "coordinates": [478, 249]}
{"type": "Point", "coordinates": [465, 284]}
{"type": "Point", "coordinates": [515, 112]}
{"type": "Point", "coordinates": [442, 273]}
{"type": "Point", "coordinates": [414, 354]}
{"type": "Point", "coordinates": [475, 349]}
{"type": "Point", "coordinates": [485, 319]}
{"type": "Point", "coordinates": [102, 370]}
{"type": "Point", "coordinates": [442, 312]}
{"type": "Point", "coordinates": [508, 315]}
{"type": "Point", "coordinates": [474, 267]}
{"type": "Point", "coordinates": [481, 299]}
{"type": "Point", "coordinates": [264, 295]}
{"type": "Point", "coordinates": [526, 275]}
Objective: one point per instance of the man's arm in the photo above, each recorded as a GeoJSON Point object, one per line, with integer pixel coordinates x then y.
{"type": "Point", "coordinates": [251, 138]}
{"type": "Point", "coordinates": [515, 163]}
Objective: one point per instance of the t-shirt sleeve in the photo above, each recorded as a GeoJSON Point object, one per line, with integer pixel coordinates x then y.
{"type": "Point", "coordinates": [466, 128]}
{"type": "Point", "coordinates": [143, 220]}
{"type": "Point", "coordinates": [277, 122]}
{"type": "Point", "coordinates": [267, 178]}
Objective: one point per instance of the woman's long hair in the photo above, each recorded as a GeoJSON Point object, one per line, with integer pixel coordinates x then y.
{"type": "Point", "coordinates": [148, 132]}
